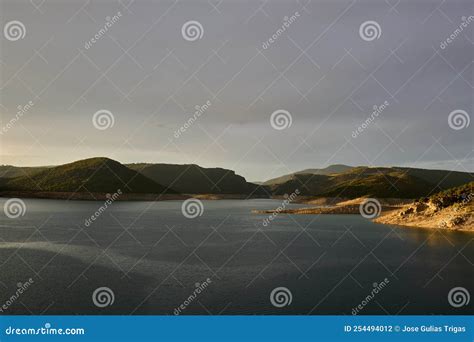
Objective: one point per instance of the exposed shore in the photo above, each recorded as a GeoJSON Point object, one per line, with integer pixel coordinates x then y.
{"type": "Point", "coordinates": [423, 216]}
{"type": "Point", "coordinates": [400, 212]}
{"type": "Point", "coordinates": [332, 205]}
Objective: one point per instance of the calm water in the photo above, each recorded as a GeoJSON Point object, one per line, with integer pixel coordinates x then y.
{"type": "Point", "coordinates": [152, 257]}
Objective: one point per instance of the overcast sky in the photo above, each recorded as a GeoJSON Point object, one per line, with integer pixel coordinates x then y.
{"type": "Point", "coordinates": [322, 69]}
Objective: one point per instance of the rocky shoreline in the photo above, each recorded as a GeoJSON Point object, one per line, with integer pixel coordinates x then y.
{"type": "Point", "coordinates": [429, 214]}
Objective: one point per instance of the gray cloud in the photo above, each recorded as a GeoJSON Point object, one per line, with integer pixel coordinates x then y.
{"type": "Point", "coordinates": [319, 69]}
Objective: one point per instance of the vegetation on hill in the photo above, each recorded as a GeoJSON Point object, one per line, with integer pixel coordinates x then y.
{"type": "Point", "coordinates": [193, 179]}
{"type": "Point", "coordinates": [89, 175]}
{"type": "Point", "coordinates": [9, 171]}
{"type": "Point", "coordinates": [378, 182]}
{"type": "Point", "coordinates": [331, 169]}
{"type": "Point", "coordinates": [342, 181]}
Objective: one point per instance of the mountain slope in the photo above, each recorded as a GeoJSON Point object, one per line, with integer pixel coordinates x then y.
{"type": "Point", "coordinates": [9, 171]}
{"type": "Point", "coordinates": [193, 179]}
{"type": "Point", "coordinates": [376, 182]}
{"type": "Point", "coordinates": [336, 168]}
{"type": "Point", "coordinates": [90, 175]}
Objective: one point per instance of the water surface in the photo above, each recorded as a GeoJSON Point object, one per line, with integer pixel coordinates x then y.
{"type": "Point", "coordinates": [152, 258]}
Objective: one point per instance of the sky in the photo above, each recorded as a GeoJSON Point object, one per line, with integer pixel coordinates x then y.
{"type": "Point", "coordinates": [261, 87]}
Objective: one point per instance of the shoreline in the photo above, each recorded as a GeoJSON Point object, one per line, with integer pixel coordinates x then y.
{"type": "Point", "coordinates": [392, 212]}
{"type": "Point", "coordinates": [132, 197]}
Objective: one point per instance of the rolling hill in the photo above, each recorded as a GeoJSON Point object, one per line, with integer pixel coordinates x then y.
{"type": "Point", "coordinates": [193, 179]}
{"type": "Point", "coordinates": [9, 171]}
{"type": "Point", "coordinates": [103, 175]}
{"type": "Point", "coordinates": [379, 182]}
{"type": "Point", "coordinates": [331, 169]}
{"type": "Point", "coordinates": [95, 175]}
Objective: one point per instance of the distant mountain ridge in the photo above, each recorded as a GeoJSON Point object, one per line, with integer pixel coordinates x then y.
{"type": "Point", "coordinates": [194, 179]}
{"type": "Point", "coordinates": [103, 175]}
{"type": "Point", "coordinates": [382, 182]}
{"type": "Point", "coordinates": [336, 168]}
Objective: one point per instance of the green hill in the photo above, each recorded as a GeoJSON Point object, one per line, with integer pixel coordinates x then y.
{"type": "Point", "coordinates": [9, 171]}
{"type": "Point", "coordinates": [100, 175]}
{"type": "Point", "coordinates": [378, 182]}
{"type": "Point", "coordinates": [193, 179]}
{"type": "Point", "coordinates": [331, 169]}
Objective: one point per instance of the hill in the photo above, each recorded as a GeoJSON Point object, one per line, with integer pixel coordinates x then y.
{"type": "Point", "coordinates": [95, 175]}
{"type": "Point", "coordinates": [193, 179]}
{"type": "Point", "coordinates": [380, 182]}
{"type": "Point", "coordinates": [336, 168]}
{"type": "Point", "coordinates": [9, 171]}
{"type": "Point", "coordinates": [449, 209]}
